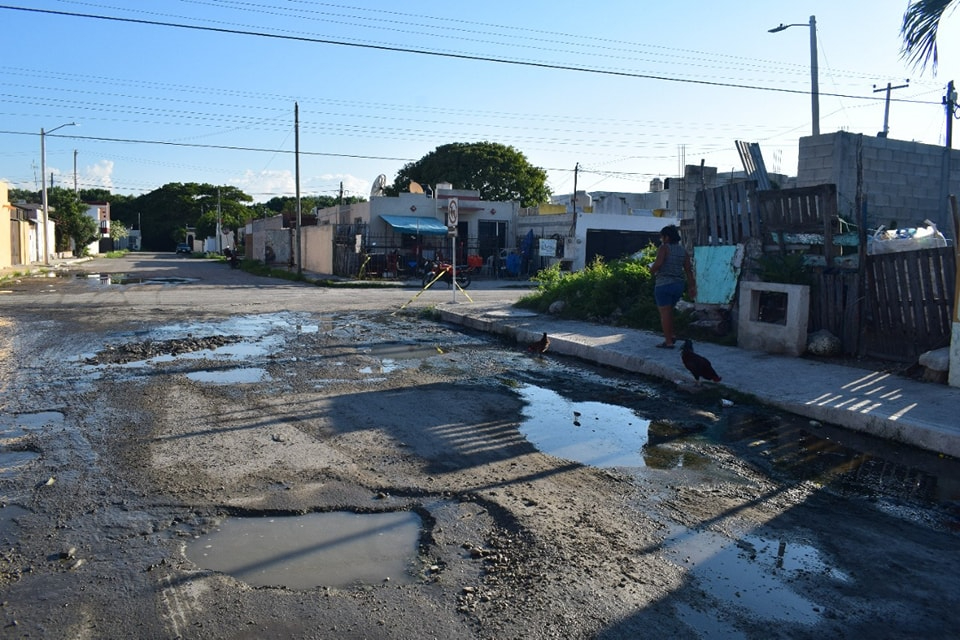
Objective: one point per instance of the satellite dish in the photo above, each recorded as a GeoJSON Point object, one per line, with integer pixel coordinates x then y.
{"type": "Point", "coordinates": [378, 186]}
{"type": "Point", "coordinates": [415, 187]}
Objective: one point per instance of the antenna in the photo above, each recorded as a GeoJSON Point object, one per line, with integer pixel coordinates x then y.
{"type": "Point", "coordinates": [415, 187]}
{"type": "Point", "coordinates": [378, 186]}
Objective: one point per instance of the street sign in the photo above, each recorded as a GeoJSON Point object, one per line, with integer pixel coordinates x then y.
{"type": "Point", "coordinates": [453, 212]}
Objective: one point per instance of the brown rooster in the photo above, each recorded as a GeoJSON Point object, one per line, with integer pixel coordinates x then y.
{"type": "Point", "coordinates": [541, 345]}
{"type": "Point", "coordinates": [696, 364]}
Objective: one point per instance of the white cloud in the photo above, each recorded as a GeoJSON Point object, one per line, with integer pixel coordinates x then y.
{"type": "Point", "coordinates": [98, 176]}
{"type": "Point", "coordinates": [263, 185]}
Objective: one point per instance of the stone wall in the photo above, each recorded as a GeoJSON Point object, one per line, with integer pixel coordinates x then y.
{"type": "Point", "coordinates": [904, 182]}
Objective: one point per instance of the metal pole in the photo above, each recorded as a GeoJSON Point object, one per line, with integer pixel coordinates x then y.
{"type": "Point", "coordinates": [296, 137]}
{"type": "Point", "coordinates": [43, 177]}
{"type": "Point", "coordinates": [814, 77]}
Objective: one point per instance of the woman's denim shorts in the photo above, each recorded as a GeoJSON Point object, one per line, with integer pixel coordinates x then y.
{"type": "Point", "coordinates": [667, 295]}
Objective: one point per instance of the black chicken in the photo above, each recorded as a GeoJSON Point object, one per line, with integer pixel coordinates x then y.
{"type": "Point", "coordinates": [696, 364]}
{"type": "Point", "coordinates": [541, 345]}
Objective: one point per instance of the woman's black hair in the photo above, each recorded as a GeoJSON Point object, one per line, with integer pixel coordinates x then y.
{"type": "Point", "coordinates": [671, 232]}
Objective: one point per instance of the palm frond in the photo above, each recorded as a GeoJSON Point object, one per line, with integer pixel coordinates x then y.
{"type": "Point", "coordinates": [919, 31]}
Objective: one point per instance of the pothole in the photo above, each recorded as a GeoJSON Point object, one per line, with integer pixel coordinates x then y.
{"type": "Point", "coordinates": [398, 355]}
{"type": "Point", "coordinates": [755, 572]}
{"type": "Point", "coordinates": [124, 279]}
{"type": "Point", "coordinates": [247, 375]}
{"type": "Point", "coordinates": [13, 462]}
{"type": "Point", "coordinates": [592, 433]}
{"type": "Point", "coordinates": [338, 549]}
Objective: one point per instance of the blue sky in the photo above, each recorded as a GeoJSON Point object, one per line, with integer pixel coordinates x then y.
{"type": "Point", "coordinates": [628, 91]}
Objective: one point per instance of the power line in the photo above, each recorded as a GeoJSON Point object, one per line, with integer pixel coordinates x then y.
{"type": "Point", "coordinates": [427, 52]}
{"type": "Point", "coordinates": [210, 146]}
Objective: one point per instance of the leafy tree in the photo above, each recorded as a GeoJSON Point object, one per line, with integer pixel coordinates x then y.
{"type": "Point", "coordinates": [287, 205]}
{"type": "Point", "coordinates": [118, 231]}
{"type": "Point", "coordinates": [497, 171]}
{"type": "Point", "coordinates": [167, 212]}
{"type": "Point", "coordinates": [73, 223]}
{"type": "Point", "coordinates": [24, 195]}
{"type": "Point", "coordinates": [919, 31]}
{"type": "Point", "coordinates": [99, 195]}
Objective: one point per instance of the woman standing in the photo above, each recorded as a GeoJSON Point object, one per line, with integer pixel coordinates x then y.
{"type": "Point", "coordinates": [672, 263]}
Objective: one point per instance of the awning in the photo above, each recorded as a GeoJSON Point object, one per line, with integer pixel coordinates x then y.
{"type": "Point", "coordinates": [416, 225]}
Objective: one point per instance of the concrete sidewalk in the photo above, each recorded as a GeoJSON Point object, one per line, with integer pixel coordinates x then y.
{"type": "Point", "coordinates": [923, 414]}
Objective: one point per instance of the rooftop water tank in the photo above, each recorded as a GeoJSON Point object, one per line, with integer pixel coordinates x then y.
{"type": "Point", "coordinates": [656, 185]}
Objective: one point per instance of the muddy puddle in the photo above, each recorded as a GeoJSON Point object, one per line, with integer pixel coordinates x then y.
{"type": "Point", "coordinates": [754, 573]}
{"type": "Point", "coordinates": [16, 454]}
{"type": "Point", "coordinates": [396, 356]}
{"type": "Point", "coordinates": [591, 433]}
{"type": "Point", "coordinates": [608, 435]}
{"type": "Point", "coordinates": [124, 279]}
{"type": "Point", "coordinates": [248, 375]}
{"type": "Point", "coordinates": [338, 549]}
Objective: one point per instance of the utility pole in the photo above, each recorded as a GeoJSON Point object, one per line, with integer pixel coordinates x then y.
{"type": "Point", "coordinates": [950, 104]}
{"type": "Point", "coordinates": [296, 138]}
{"type": "Point", "coordinates": [341, 193]}
{"type": "Point", "coordinates": [886, 107]}
{"type": "Point", "coordinates": [75, 190]}
{"type": "Point", "coordinates": [219, 230]}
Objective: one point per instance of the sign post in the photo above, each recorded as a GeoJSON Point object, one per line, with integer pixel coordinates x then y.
{"type": "Point", "coordinates": [453, 215]}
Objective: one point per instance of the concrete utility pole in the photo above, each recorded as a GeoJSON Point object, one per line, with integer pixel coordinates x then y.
{"type": "Point", "coordinates": [296, 154]}
{"type": "Point", "coordinates": [886, 107]}
{"type": "Point", "coordinates": [814, 69]}
{"type": "Point", "coordinates": [219, 222]}
{"type": "Point", "coordinates": [43, 178]}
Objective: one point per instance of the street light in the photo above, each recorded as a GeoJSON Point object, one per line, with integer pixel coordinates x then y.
{"type": "Point", "coordinates": [43, 176]}
{"type": "Point", "coordinates": [814, 81]}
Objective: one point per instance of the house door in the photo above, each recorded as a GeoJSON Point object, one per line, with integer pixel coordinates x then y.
{"type": "Point", "coordinates": [15, 254]}
{"type": "Point", "coordinates": [491, 238]}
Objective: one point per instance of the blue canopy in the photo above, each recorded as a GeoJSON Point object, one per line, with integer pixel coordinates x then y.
{"type": "Point", "coordinates": [416, 225]}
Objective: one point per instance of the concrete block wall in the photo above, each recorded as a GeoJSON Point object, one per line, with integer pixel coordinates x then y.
{"type": "Point", "coordinates": [905, 182]}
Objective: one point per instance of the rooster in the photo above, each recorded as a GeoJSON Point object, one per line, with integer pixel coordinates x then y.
{"type": "Point", "coordinates": [696, 364]}
{"type": "Point", "coordinates": [541, 345]}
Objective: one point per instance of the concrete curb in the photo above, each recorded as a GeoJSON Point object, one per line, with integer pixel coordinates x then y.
{"type": "Point", "coordinates": [920, 414]}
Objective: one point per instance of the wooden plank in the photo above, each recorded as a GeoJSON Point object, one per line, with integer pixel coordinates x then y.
{"type": "Point", "coordinates": [730, 198]}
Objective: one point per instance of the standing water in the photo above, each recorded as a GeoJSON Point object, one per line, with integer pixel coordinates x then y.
{"type": "Point", "coordinates": [336, 549]}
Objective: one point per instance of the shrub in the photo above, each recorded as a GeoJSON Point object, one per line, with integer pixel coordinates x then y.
{"type": "Point", "coordinates": [619, 292]}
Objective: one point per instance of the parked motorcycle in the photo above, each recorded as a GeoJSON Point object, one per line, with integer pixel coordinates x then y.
{"type": "Point", "coordinates": [444, 270]}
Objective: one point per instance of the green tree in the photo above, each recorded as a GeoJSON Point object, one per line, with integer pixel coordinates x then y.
{"type": "Point", "coordinates": [287, 205]}
{"type": "Point", "coordinates": [166, 213]}
{"type": "Point", "coordinates": [497, 171]}
{"type": "Point", "coordinates": [73, 223]}
{"type": "Point", "coordinates": [118, 231]}
{"type": "Point", "coordinates": [919, 31]}
{"type": "Point", "coordinates": [24, 195]}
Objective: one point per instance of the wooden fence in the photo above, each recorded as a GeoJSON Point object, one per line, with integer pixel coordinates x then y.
{"type": "Point", "coordinates": [909, 303]}
{"type": "Point", "coordinates": [893, 306]}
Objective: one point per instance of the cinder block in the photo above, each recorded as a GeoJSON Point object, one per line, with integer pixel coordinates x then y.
{"type": "Point", "coordinates": [773, 317]}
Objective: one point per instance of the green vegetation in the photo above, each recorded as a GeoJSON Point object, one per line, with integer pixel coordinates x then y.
{"type": "Point", "coordinates": [619, 292]}
{"type": "Point", "coordinates": [499, 172]}
{"type": "Point", "coordinates": [786, 269]}
{"type": "Point", "coordinates": [116, 254]}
